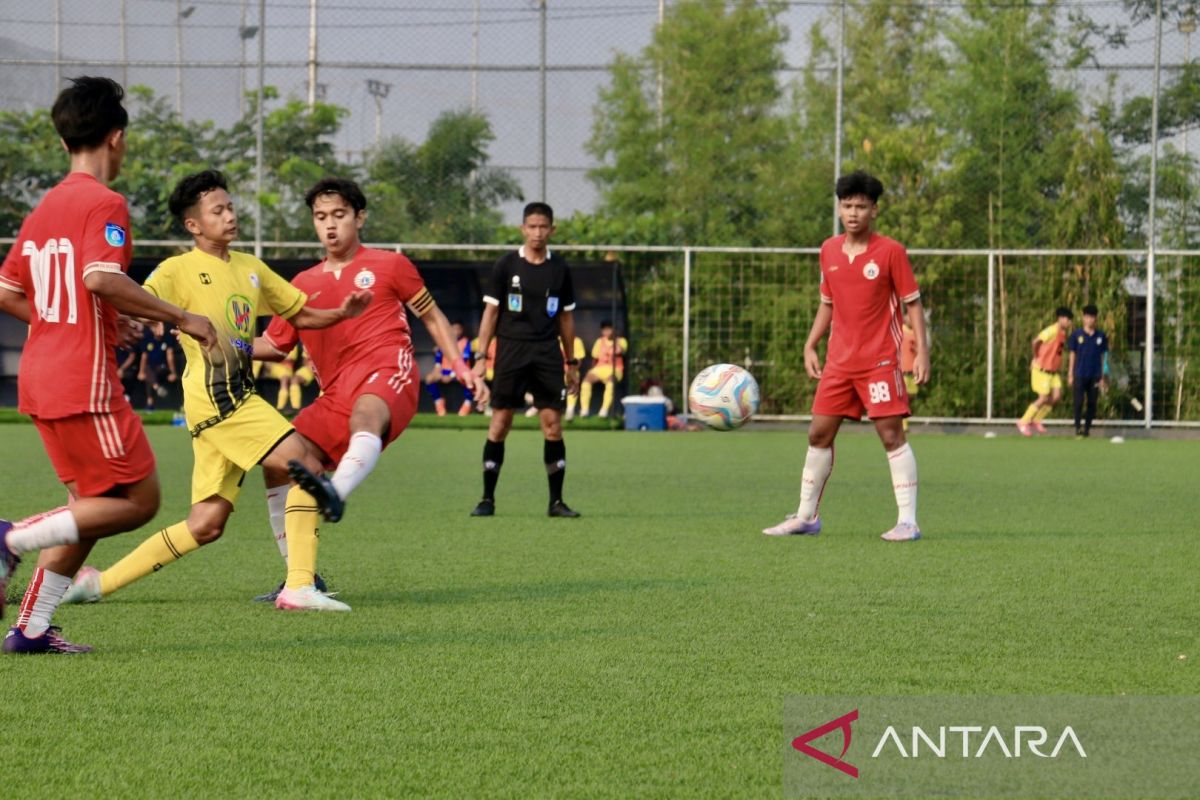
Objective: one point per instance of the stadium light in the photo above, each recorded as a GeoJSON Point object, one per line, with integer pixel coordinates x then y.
{"type": "Point", "coordinates": [181, 14]}
{"type": "Point", "coordinates": [379, 90]}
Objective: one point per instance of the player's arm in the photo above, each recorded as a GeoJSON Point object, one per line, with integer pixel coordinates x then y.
{"type": "Point", "coordinates": [820, 327]}
{"type": "Point", "coordinates": [443, 336]}
{"type": "Point", "coordinates": [916, 321]}
{"type": "Point", "coordinates": [142, 362]}
{"type": "Point", "coordinates": [170, 363]}
{"type": "Point", "coordinates": [566, 331]}
{"type": "Point", "coordinates": [487, 328]}
{"type": "Point", "coordinates": [311, 318]}
{"type": "Point", "coordinates": [14, 304]}
{"type": "Point", "coordinates": [119, 290]}
{"type": "Point", "coordinates": [1071, 365]}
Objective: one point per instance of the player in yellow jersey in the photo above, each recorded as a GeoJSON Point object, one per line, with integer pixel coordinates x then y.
{"type": "Point", "coordinates": [1044, 378]}
{"type": "Point", "coordinates": [607, 352]}
{"type": "Point", "coordinates": [232, 427]}
{"type": "Point", "coordinates": [293, 374]}
{"type": "Point", "coordinates": [578, 356]}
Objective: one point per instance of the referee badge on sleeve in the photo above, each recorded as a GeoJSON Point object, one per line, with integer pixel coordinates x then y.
{"type": "Point", "coordinates": [551, 306]}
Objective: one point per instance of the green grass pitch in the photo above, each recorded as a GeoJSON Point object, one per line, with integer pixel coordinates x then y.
{"type": "Point", "coordinates": [643, 650]}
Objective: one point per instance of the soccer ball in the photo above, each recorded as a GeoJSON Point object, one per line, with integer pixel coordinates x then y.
{"type": "Point", "coordinates": [723, 396]}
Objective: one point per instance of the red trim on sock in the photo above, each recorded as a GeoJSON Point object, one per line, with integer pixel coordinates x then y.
{"type": "Point", "coordinates": [31, 595]}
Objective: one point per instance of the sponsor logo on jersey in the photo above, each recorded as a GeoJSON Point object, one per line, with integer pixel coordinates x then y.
{"type": "Point", "coordinates": [254, 279]}
{"type": "Point", "coordinates": [238, 310]}
{"type": "Point", "coordinates": [551, 306]}
{"type": "Point", "coordinates": [871, 271]}
{"type": "Point", "coordinates": [114, 234]}
{"type": "Point", "coordinates": [205, 278]}
{"type": "Point", "coordinates": [365, 279]}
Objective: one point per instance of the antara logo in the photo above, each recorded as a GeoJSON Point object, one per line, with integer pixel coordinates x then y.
{"type": "Point", "coordinates": [842, 723]}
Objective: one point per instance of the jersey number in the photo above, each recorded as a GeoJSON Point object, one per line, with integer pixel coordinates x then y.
{"type": "Point", "coordinates": [53, 269]}
{"type": "Point", "coordinates": [880, 393]}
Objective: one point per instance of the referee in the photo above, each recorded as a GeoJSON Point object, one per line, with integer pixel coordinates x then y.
{"type": "Point", "coordinates": [528, 307]}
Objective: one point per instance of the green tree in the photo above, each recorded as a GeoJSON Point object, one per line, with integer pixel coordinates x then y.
{"type": "Point", "coordinates": [32, 160]}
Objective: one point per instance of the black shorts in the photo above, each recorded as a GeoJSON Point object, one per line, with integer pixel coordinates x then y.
{"type": "Point", "coordinates": [534, 367]}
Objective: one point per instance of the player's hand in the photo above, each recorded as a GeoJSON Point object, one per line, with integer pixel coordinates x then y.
{"type": "Point", "coordinates": [356, 303]}
{"type": "Point", "coordinates": [1103, 385]}
{"type": "Point", "coordinates": [141, 376]}
{"type": "Point", "coordinates": [921, 369]}
{"type": "Point", "coordinates": [812, 363]}
{"type": "Point", "coordinates": [200, 329]}
{"type": "Point", "coordinates": [171, 377]}
{"type": "Point", "coordinates": [480, 368]}
{"type": "Point", "coordinates": [1070, 379]}
{"type": "Point", "coordinates": [129, 331]}
{"type": "Point", "coordinates": [483, 395]}
{"type": "Point", "coordinates": [572, 381]}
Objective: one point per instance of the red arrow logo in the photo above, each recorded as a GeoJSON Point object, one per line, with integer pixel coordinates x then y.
{"type": "Point", "coordinates": [801, 743]}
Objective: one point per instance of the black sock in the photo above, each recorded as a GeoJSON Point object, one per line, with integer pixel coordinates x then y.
{"type": "Point", "coordinates": [493, 459]}
{"type": "Point", "coordinates": [555, 456]}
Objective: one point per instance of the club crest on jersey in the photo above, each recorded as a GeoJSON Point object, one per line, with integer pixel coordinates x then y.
{"type": "Point", "coordinates": [238, 311]}
{"type": "Point", "coordinates": [365, 279]}
{"type": "Point", "coordinates": [254, 279]}
{"type": "Point", "coordinates": [114, 234]}
{"type": "Point", "coordinates": [871, 271]}
{"type": "Point", "coordinates": [551, 306]}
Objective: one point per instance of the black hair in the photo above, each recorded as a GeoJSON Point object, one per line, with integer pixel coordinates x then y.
{"type": "Point", "coordinates": [189, 190]}
{"type": "Point", "coordinates": [539, 208]}
{"type": "Point", "coordinates": [859, 183]}
{"type": "Point", "coordinates": [87, 111]}
{"type": "Point", "coordinates": [606, 323]}
{"type": "Point", "coordinates": [348, 190]}
{"type": "Point", "coordinates": [1063, 311]}
{"type": "Point", "coordinates": [1091, 310]}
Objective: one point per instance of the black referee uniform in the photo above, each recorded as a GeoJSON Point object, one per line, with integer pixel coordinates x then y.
{"type": "Point", "coordinates": [529, 299]}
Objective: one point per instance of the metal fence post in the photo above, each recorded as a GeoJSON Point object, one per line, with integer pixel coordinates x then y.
{"type": "Point", "coordinates": [687, 327]}
{"type": "Point", "coordinates": [1151, 279]}
{"type": "Point", "coordinates": [991, 331]}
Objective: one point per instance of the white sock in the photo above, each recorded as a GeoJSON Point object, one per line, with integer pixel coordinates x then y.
{"type": "Point", "coordinates": [904, 482]}
{"type": "Point", "coordinates": [361, 457]}
{"type": "Point", "coordinates": [48, 529]}
{"type": "Point", "coordinates": [276, 503]}
{"type": "Point", "coordinates": [45, 592]}
{"type": "Point", "coordinates": [818, 464]}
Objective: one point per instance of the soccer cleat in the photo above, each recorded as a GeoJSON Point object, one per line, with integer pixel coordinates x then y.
{"type": "Point", "coordinates": [465, 409]}
{"type": "Point", "coordinates": [50, 642]}
{"type": "Point", "coordinates": [903, 532]}
{"type": "Point", "coordinates": [560, 509]}
{"type": "Point", "coordinates": [321, 488]}
{"type": "Point", "coordinates": [8, 562]}
{"type": "Point", "coordinates": [271, 596]}
{"type": "Point", "coordinates": [485, 508]}
{"type": "Point", "coordinates": [1025, 429]}
{"type": "Point", "coordinates": [1039, 427]}
{"type": "Point", "coordinates": [794, 526]}
{"type": "Point", "coordinates": [307, 598]}
{"type": "Point", "coordinates": [85, 588]}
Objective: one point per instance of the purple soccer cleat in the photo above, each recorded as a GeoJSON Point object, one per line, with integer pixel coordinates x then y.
{"type": "Point", "coordinates": [49, 643]}
{"type": "Point", "coordinates": [794, 526]}
{"type": "Point", "coordinates": [8, 562]}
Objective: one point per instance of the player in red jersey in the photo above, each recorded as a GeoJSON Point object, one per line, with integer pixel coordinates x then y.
{"type": "Point", "coordinates": [369, 379]}
{"type": "Point", "coordinates": [866, 284]}
{"type": "Point", "coordinates": [65, 276]}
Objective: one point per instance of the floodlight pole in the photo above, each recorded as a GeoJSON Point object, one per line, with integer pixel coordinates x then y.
{"type": "Point", "coordinates": [379, 90]}
{"type": "Point", "coordinates": [837, 112]}
{"type": "Point", "coordinates": [1151, 232]}
{"type": "Point", "coordinates": [687, 330]}
{"type": "Point", "coordinates": [475, 59]}
{"type": "Point", "coordinates": [258, 129]}
{"type": "Point", "coordinates": [312, 53]}
{"type": "Point", "coordinates": [124, 48]}
{"type": "Point", "coordinates": [57, 46]}
{"type": "Point", "coordinates": [542, 76]}
{"type": "Point", "coordinates": [991, 332]}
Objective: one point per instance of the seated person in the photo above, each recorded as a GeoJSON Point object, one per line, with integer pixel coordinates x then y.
{"type": "Point", "coordinates": [441, 373]}
{"type": "Point", "coordinates": [608, 367]}
{"type": "Point", "coordinates": [293, 373]}
{"type": "Point", "coordinates": [156, 364]}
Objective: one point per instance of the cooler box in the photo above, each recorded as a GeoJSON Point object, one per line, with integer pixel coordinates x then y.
{"type": "Point", "coordinates": [645, 413]}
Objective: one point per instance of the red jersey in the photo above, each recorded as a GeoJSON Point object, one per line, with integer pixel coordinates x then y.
{"type": "Point", "coordinates": [69, 364]}
{"type": "Point", "coordinates": [867, 296]}
{"type": "Point", "coordinates": [372, 337]}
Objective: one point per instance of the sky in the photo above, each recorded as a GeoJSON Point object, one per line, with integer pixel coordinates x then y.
{"type": "Point", "coordinates": [403, 43]}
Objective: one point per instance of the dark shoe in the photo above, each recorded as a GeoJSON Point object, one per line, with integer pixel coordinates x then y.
{"type": "Point", "coordinates": [560, 509]}
{"type": "Point", "coordinates": [51, 642]}
{"type": "Point", "coordinates": [485, 508]}
{"type": "Point", "coordinates": [332, 507]}
{"type": "Point", "coordinates": [270, 597]}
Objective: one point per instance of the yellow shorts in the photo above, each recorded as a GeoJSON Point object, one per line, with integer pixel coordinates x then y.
{"type": "Point", "coordinates": [604, 372]}
{"type": "Point", "coordinates": [1044, 383]}
{"type": "Point", "coordinates": [279, 370]}
{"type": "Point", "coordinates": [225, 452]}
{"type": "Point", "coordinates": [910, 385]}
{"type": "Point", "coordinates": [305, 375]}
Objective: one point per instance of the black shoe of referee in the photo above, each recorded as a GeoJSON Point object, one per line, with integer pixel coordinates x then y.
{"type": "Point", "coordinates": [560, 509]}
{"type": "Point", "coordinates": [486, 508]}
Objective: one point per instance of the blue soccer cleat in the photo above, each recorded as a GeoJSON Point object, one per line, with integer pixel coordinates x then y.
{"type": "Point", "coordinates": [321, 488]}
{"type": "Point", "coordinates": [50, 642]}
{"type": "Point", "coordinates": [8, 562]}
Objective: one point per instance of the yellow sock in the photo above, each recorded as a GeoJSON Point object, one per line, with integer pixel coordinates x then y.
{"type": "Point", "coordinates": [1029, 412]}
{"type": "Point", "coordinates": [585, 398]}
{"type": "Point", "coordinates": [294, 395]}
{"type": "Point", "coordinates": [1042, 413]}
{"type": "Point", "coordinates": [281, 398]}
{"type": "Point", "coordinates": [606, 402]}
{"type": "Point", "coordinates": [169, 544]}
{"type": "Point", "coordinates": [572, 399]}
{"type": "Point", "coordinates": [300, 523]}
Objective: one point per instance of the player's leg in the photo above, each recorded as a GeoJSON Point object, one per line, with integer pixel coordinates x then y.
{"type": "Point", "coordinates": [433, 385]}
{"type": "Point", "coordinates": [508, 394]}
{"type": "Point", "coordinates": [585, 393]}
{"type": "Point", "coordinates": [554, 455]}
{"type": "Point", "coordinates": [903, 466]}
{"type": "Point", "coordinates": [611, 380]}
{"type": "Point", "coordinates": [1039, 382]}
{"type": "Point", "coordinates": [818, 466]}
{"type": "Point", "coordinates": [1093, 396]}
{"type": "Point", "coordinates": [1078, 391]}
{"type": "Point", "coordinates": [1048, 404]}
{"type": "Point", "coordinates": [548, 385]}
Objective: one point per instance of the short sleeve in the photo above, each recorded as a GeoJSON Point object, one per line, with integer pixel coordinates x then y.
{"type": "Point", "coordinates": [499, 282]}
{"type": "Point", "coordinates": [281, 297]}
{"type": "Point", "coordinates": [1048, 333]}
{"type": "Point", "coordinates": [107, 245]}
{"type": "Point", "coordinates": [1104, 343]}
{"type": "Point", "coordinates": [903, 280]}
{"type": "Point", "coordinates": [281, 335]}
{"type": "Point", "coordinates": [10, 272]}
{"type": "Point", "coordinates": [162, 285]}
{"type": "Point", "coordinates": [566, 297]}
{"type": "Point", "coordinates": [1073, 342]}
{"type": "Point", "coordinates": [408, 281]}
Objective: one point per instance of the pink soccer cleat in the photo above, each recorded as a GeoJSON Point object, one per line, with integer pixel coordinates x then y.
{"type": "Point", "coordinates": [1039, 427]}
{"type": "Point", "coordinates": [794, 526]}
{"type": "Point", "coordinates": [1025, 429]}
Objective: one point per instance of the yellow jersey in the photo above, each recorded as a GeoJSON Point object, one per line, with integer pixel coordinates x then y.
{"type": "Point", "coordinates": [233, 295]}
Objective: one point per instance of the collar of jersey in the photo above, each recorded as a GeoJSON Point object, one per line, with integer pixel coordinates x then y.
{"type": "Point", "coordinates": [521, 253]}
